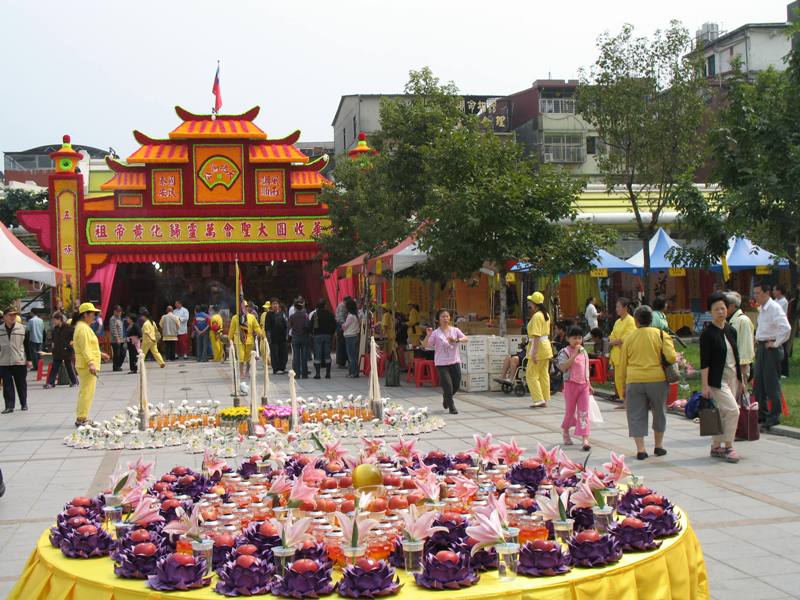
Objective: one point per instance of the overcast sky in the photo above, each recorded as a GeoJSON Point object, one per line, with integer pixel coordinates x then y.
{"type": "Point", "coordinates": [99, 69]}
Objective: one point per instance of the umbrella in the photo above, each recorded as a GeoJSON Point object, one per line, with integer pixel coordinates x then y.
{"type": "Point", "coordinates": [659, 245]}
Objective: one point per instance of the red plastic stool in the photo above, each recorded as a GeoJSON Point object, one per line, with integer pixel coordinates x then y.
{"type": "Point", "coordinates": [40, 370]}
{"type": "Point", "coordinates": [46, 376]}
{"type": "Point", "coordinates": [597, 370]}
{"type": "Point", "coordinates": [425, 372]}
{"type": "Point", "coordinates": [673, 394]}
{"type": "Point", "coordinates": [364, 363]}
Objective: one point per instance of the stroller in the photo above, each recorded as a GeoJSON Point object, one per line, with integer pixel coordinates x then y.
{"type": "Point", "coordinates": [519, 385]}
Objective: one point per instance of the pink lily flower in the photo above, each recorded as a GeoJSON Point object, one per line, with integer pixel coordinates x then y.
{"type": "Point", "coordinates": [548, 458]}
{"type": "Point", "coordinates": [549, 505]}
{"type": "Point", "coordinates": [484, 448]}
{"type": "Point", "coordinates": [569, 468]}
{"type": "Point", "coordinates": [617, 469]}
{"type": "Point", "coordinates": [487, 532]}
{"type": "Point", "coordinates": [292, 533]}
{"type": "Point", "coordinates": [510, 452]}
{"type": "Point", "coordinates": [279, 486]}
{"type": "Point", "coordinates": [141, 469]}
{"type": "Point", "coordinates": [429, 487]}
{"type": "Point", "coordinates": [594, 480]}
{"type": "Point", "coordinates": [334, 451]}
{"type": "Point", "coordinates": [495, 505]}
{"type": "Point", "coordinates": [310, 474]}
{"type": "Point", "coordinates": [355, 529]}
{"type": "Point", "coordinates": [583, 498]}
{"type": "Point", "coordinates": [372, 447]}
{"type": "Point", "coordinates": [405, 451]}
{"type": "Point", "coordinates": [464, 488]}
{"type": "Point", "coordinates": [147, 511]}
{"type": "Point", "coordinates": [418, 527]}
{"type": "Point", "coordinates": [213, 464]}
{"type": "Point", "coordinates": [135, 495]}
{"type": "Point", "coordinates": [301, 492]}
{"type": "Point", "coordinates": [186, 524]}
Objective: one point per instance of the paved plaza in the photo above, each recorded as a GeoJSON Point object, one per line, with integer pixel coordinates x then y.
{"type": "Point", "coordinates": [747, 516]}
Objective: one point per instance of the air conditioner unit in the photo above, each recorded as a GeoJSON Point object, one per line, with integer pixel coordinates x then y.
{"type": "Point", "coordinates": [547, 157]}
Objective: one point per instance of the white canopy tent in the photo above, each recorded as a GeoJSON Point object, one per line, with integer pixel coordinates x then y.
{"type": "Point", "coordinates": [19, 262]}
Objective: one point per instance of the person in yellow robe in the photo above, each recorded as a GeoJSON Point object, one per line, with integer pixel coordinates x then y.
{"type": "Point", "coordinates": [217, 324]}
{"type": "Point", "coordinates": [87, 360]}
{"type": "Point", "coordinates": [414, 329]}
{"type": "Point", "coordinates": [537, 373]}
{"type": "Point", "coordinates": [263, 346]}
{"type": "Point", "coordinates": [150, 338]}
{"type": "Point", "coordinates": [623, 327]}
{"type": "Point", "coordinates": [243, 332]}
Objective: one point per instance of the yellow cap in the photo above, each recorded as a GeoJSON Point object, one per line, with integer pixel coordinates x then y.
{"type": "Point", "coordinates": [536, 297]}
{"type": "Point", "coordinates": [88, 307]}
{"type": "Point", "coordinates": [267, 304]}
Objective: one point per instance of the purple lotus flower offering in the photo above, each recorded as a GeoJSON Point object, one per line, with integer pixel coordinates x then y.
{"type": "Point", "coordinates": [652, 500]}
{"type": "Point", "coordinates": [86, 541]}
{"type": "Point", "coordinates": [446, 570]}
{"type": "Point", "coordinates": [529, 473]}
{"type": "Point", "coordinates": [92, 506]}
{"type": "Point", "coordinates": [627, 504]}
{"type": "Point", "coordinates": [134, 537]}
{"type": "Point", "coordinates": [456, 535]}
{"type": "Point", "coordinates": [590, 549]}
{"type": "Point", "coordinates": [66, 525]}
{"type": "Point", "coordinates": [178, 572]}
{"type": "Point", "coordinates": [245, 576]}
{"type": "Point", "coordinates": [484, 560]}
{"type": "Point", "coordinates": [223, 548]}
{"type": "Point", "coordinates": [315, 552]}
{"type": "Point", "coordinates": [304, 578]}
{"type": "Point", "coordinates": [663, 521]}
{"type": "Point", "coordinates": [396, 558]}
{"type": "Point", "coordinates": [248, 468]}
{"type": "Point", "coordinates": [584, 518]}
{"type": "Point", "coordinates": [542, 558]}
{"type": "Point", "coordinates": [262, 535]}
{"type": "Point", "coordinates": [633, 534]}
{"type": "Point", "coordinates": [440, 461]}
{"type": "Point", "coordinates": [368, 579]}
{"type": "Point", "coordinates": [137, 562]}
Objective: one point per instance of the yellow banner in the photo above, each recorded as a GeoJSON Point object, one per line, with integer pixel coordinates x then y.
{"type": "Point", "coordinates": [763, 270]}
{"type": "Point", "coordinates": [599, 272]}
{"type": "Point", "coordinates": [511, 277]}
{"type": "Point", "coordinates": [379, 266]}
{"type": "Point", "coordinates": [348, 272]}
{"type": "Point", "coordinates": [214, 230]}
{"type": "Point", "coordinates": [677, 272]}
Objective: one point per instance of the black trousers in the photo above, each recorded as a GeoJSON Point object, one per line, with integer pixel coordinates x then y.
{"type": "Point", "coordinates": [767, 388]}
{"type": "Point", "coordinates": [57, 362]}
{"type": "Point", "coordinates": [118, 355]}
{"type": "Point", "coordinates": [279, 355]}
{"type": "Point", "coordinates": [169, 349]}
{"type": "Point", "coordinates": [450, 380]}
{"type": "Point", "coordinates": [341, 349]}
{"type": "Point", "coordinates": [14, 376]}
{"type": "Point", "coordinates": [133, 355]}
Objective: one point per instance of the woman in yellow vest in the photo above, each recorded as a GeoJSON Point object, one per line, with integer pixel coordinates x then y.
{"type": "Point", "coordinates": [87, 360]}
{"type": "Point", "coordinates": [243, 334]}
{"type": "Point", "coordinates": [537, 373]}
{"type": "Point", "coordinates": [217, 350]}
{"type": "Point", "coordinates": [623, 327]}
{"type": "Point", "coordinates": [150, 338]}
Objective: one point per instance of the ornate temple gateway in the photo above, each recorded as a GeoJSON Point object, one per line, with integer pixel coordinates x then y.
{"type": "Point", "coordinates": [180, 210]}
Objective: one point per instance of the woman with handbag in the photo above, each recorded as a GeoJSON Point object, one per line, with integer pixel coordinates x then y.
{"type": "Point", "coordinates": [721, 375]}
{"type": "Point", "coordinates": [643, 356]}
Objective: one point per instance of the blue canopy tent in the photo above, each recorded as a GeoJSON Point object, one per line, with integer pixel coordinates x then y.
{"type": "Point", "coordinates": [659, 245]}
{"type": "Point", "coordinates": [603, 260]}
{"type": "Point", "coordinates": [744, 254]}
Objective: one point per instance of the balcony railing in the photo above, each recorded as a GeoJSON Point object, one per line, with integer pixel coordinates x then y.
{"type": "Point", "coordinates": [557, 105]}
{"type": "Point", "coordinates": [561, 153]}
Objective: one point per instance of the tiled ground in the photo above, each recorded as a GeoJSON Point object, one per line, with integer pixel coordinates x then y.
{"type": "Point", "coordinates": [747, 516]}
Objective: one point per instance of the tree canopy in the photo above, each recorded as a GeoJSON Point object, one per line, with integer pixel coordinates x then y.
{"type": "Point", "coordinates": [17, 199]}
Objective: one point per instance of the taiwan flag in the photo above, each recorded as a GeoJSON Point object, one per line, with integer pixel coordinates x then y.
{"type": "Point", "coordinates": [217, 92]}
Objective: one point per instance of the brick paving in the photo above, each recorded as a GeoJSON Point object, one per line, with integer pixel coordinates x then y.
{"type": "Point", "coordinates": [746, 515]}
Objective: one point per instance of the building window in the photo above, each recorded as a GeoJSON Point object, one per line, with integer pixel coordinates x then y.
{"type": "Point", "coordinates": [711, 66]}
{"type": "Point", "coordinates": [557, 105]}
{"type": "Point", "coordinates": [591, 144]}
{"type": "Point", "coordinates": [344, 137]}
{"type": "Point", "coordinates": [563, 148]}
{"type": "Point", "coordinates": [355, 135]}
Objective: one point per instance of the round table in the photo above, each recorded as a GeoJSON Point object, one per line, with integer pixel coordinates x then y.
{"type": "Point", "coordinates": [676, 571]}
{"type": "Point", "coordinates": [678, 320]}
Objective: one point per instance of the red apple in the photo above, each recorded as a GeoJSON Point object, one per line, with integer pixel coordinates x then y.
{"type": "Point", "coordinates": [447, 556]}
{"type": "Point", "coordinates": [146, 549]}
{"type": "Point", "coordinates": [588, 535]}
{"type": "Point", "coordinates": [170, 503]}
{"type": "Point", "coordinates": [76, 511]}
{"type": "Point", "coordinates": [267, 530]}
{"type": "Point", "coordinates": [471, 541]}
{"type": "Point", "coordinates": [87, 529]}
{"type": "Point", "coordinates": [303, 460]}
{"type": "Point", "coordinates": [308, 543]}
{"type": "Point", "coordinates": [452, 517]}
{"type": "Point", "coordinates": [377, 505]}
{"type": "Point", "coordinates": [392, 480]}
{"type": "Point", "coordinates": [329, 483]}
{"type": "Point", "coordinates": [167, 494]}
{"type": "Point", "coordinates": [348, 506]}
{"type": "Point", "coordinates": [326, 505]}
{"type": "Point", "coordinates": [333, 467]}
{"type": "Point", "coordinates": [179, 471]}
{"type": "Point", "coordinates": [169, 478]}
{"type": "Point", "coordinates": [209, 514]}
{"type": "Point", "coordinates": [246, 549]}
{"type": "Point", "coordinates": [224, 539]}
{"type": "Point", "coordinates": [139, 535]}
{"type": "Point", "coordinates": [367, 564]}
{"type": "Point", "coordinates": [526, 503]}
{"type": "Point", "coordinates": [545, 545]}
{"type": "Point", "coordinates": [255, 458]}
{"type": "Point", "coordinates": [185, 560]}
{"type": "Point", "coordinates": [530, 463]}
{"type": "Point", "coordinates": [462, 457]}
{"type": "Point", "coordinates": [408, 484]}
{"type": "Point", "coordinates": [308, 505]}
{"type": "Point", "coordinates": [641, 491]}
{"type": "Point", "coordinates": [345, 482]}
{"type": "Point", "coordinates": [186, 480]}
{"type": "Point", "coordinates": [633, 522]}
{"type": "Point", "coordinates": [653, 499]}
{"type": "Point", "coordinates": [461, 466]}
{"type": "Point", "coordinates": [652, 509]}
{"type": "Point", "coordinates": [76, 522]}
{"type": "Point", "coordinates": [437, 454]}
{"type": "Point", "coordinates": [305, 565]}
{"type": "Point", "coordinates": [415, 497]}
{"type": "Point", "coordinates": [245, 560]}
{"type": "Point", "coordinates": [398, 503]}
{"type": "Point", "coordinates": [81, 501]}
{"type": "Point", "coordinates": [161, 486]}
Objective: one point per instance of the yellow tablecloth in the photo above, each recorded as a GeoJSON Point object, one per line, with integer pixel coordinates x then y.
{"type": "Point", "coordinates": [676, 571]}
{"type": "Point", "coordinates": [678, 320]}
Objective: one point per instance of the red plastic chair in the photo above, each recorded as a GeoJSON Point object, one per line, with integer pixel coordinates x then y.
{"type": "Point", "coordinates": [364, 363]}
{"type": "Point", "coordinates": [425, 372]}
{"type": "Point", "coordinates": [597, 370]}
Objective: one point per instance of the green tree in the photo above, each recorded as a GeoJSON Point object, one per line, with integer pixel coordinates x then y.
{"type": "Point", "coordinates": [646, 99]}
{"type": "Point", "coordinates": [10, 292]}
{"type": "Point", "coordinates": [17, 199]}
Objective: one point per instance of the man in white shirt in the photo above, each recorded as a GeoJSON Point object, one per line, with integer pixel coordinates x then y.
{"type": "Point", "coordinates": [772, 330]}
{"type": "Point", "coordinates": [743, 326]}
{"type": "Point", "coordinates": [591, 314]}
{"type": "Point", "coordinates": [779, 295]}
{"type": "Point", "coordinates": [183, 328]}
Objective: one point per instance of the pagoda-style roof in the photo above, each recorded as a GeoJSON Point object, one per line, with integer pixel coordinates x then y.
{"type": "Point", "coordinates": [127, 181]}
{"type": "Point", "coordinates": [308, 180]}
{"type": "Point", "coordinates": [158, 151]}
{"type": "Point", "coordinates": [196, 127]}
{"type": "Point", "coordinates": [276, 153]}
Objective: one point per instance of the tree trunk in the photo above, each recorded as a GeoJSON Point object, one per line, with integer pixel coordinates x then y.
{"type": "Point", "coordinates": [431, 300]}
{"type": "Point", "coordinates": [794, 297]}
{"type": "Point", "coordinates": [645, 269]}
{"type": "Point", "coordinates": [503, 304]}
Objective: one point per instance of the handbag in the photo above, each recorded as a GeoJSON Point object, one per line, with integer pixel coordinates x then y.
{"type": "Point", "coordinates": [595, 416]}
{"type": "Point", "coordinates": [671, 371]}
{"type": "Point", "coordinates": [393, 371]}
{"type": "Point", "coordinates": [710, 420]}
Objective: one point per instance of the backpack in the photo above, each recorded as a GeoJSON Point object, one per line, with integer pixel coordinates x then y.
{"type": "Point", "coordinates": [692, 409]}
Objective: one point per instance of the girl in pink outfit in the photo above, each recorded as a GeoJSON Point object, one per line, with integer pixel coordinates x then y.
{"type": "Point", "coordinates": [573, 361]}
